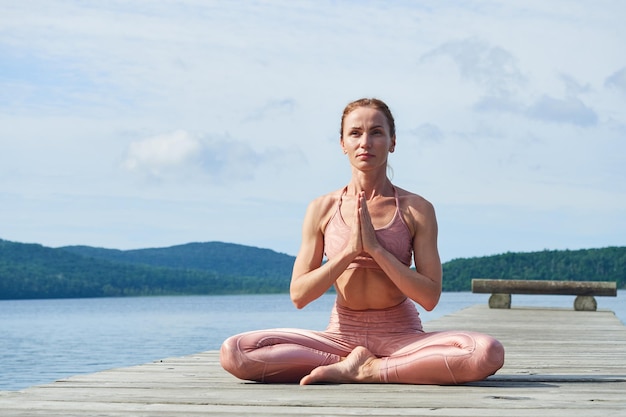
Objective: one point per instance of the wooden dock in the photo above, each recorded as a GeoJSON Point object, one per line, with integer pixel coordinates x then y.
{"type": "Point", "coordinates": [558, 362]}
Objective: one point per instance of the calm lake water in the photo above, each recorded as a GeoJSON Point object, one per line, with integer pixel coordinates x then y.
{"type": "Point", "coordinates": [45, 340]}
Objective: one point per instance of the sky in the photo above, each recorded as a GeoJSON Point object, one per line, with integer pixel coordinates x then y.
{"type": "Point", "coordinates": [153, 123]}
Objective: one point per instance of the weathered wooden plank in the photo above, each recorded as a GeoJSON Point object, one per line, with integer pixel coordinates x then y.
{"type": "Point", "coordinates": [523, 286]}
{"type": "Point", "coordinates": [558, 362]}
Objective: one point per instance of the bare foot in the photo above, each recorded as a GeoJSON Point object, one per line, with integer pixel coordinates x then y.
{"type": "Point", "coordinates": [359, 366]}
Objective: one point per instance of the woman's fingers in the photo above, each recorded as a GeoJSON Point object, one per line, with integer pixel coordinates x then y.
{"type": "Point", "coordinates": [368, 235]}
{"type": "Point", "coordinates": [355, 238]}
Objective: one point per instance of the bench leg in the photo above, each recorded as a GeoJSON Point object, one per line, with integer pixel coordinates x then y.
{"type": "Point", "coordinates": [500, 301]}
{"type": "Point", "coordinates": [585, 303]}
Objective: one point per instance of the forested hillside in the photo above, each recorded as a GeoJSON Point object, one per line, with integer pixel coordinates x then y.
{"type": "Point", "coordinates": [35, 271]}
{"type": "Point", "coordinates": [223, 258]}
{"type": "Point", "coordinates": [607, 264]}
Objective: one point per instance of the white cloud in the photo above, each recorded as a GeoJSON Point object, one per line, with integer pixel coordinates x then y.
{"type": "Point", "coordinates": [573, 87]}
{"type": "Point", "coordinates": [490, 66]}
{"type": "Point", "coordinates": [157, 156]}
{"type": "Point", "coordinates": [617, 80]}
{"type": "Point", "coordinates": [181, 155]}
{"type": "Point", "coordinates": [569, 110]}
{"type": "Point", "coordinates": [498, 73]}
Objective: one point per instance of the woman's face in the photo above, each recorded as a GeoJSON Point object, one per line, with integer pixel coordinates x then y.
{"type": "Point", "coordinates": [365, 138]}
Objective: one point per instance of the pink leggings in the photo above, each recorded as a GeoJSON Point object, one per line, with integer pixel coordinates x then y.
{"type": "Point", "coordinates": [410, 356]}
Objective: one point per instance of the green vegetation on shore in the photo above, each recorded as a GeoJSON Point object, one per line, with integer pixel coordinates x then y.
{"type": "Point", "coordinates": [32, 271]}
{"type": "Point", "coordinates": [606, 264]}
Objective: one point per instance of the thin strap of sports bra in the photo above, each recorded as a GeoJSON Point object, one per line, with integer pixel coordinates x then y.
{"type": "Point", "coordinates": [345, 190]}
{"type": "Point", "coordinates": [395, 194]}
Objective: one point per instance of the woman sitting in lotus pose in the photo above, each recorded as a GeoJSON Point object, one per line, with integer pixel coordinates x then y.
{"type": "Point", "coordinates": [370, 231]}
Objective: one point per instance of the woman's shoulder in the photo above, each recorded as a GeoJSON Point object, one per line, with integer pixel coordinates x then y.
{"type": "Point", "coordinates": [327, 200]}
{"type": "Point", "coordinates": [411, 198]}
{"type": "Point", "coordinates": [319, 212]}
{"type": "Point", "coordinates": [414, 204]}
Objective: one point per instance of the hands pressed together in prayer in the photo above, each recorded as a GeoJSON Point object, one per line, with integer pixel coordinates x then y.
{"type": "Point", "coordinates": [363, 238]}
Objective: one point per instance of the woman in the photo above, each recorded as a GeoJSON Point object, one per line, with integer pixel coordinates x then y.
{"type": "Point", "coordinates": [370, 231]}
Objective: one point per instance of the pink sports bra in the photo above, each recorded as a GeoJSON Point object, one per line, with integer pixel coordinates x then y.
{"type": "Point", "coordinates": [395, 237]}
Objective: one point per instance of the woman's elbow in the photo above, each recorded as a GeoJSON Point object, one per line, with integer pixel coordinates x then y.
{"type": "Point", "coordinates": [297, 299]}
{"type": "Point", "coordinates": [431, 302]}
{"type": "Point", "coordinates": [298, 303]}
{"type": "Point", "coordinates": [429, 307]}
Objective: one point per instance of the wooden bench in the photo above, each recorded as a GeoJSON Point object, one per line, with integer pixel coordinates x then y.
{"type": "Point", "coordinates": [501, 290]}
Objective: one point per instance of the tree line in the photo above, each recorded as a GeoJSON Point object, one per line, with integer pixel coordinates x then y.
{"type": "Point", "coordinates": [606, 264]}
{"type": "Point", "coordinates": [32, 271]}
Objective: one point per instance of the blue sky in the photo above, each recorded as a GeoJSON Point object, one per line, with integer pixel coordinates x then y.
{"type": "Point", "coordinates": [134, 124]}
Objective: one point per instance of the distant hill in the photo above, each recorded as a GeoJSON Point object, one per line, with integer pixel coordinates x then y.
{"type": "Point", "coordinates": [36, 271]}
{"type": "Point", "coordinates": [219, 257]}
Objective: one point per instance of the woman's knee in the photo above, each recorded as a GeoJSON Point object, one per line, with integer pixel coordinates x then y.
{"type": "Point", "coordinates": [492, 354]}
{"type": "Point", "coordinates": [495, 351]}
{"type": "Point", "coordinates": [486, 357]}
{"type": "Point", "coordinates": [232, 358]}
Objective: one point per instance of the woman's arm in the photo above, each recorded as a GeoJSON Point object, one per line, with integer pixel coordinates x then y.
{"type": "Point", "coordinates": [310, 279]}
{"type": "Point", "coordinates": [422, 285]}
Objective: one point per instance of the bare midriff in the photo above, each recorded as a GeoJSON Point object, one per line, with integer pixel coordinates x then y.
{"type": "Point", "coordinates": [367, 288]}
